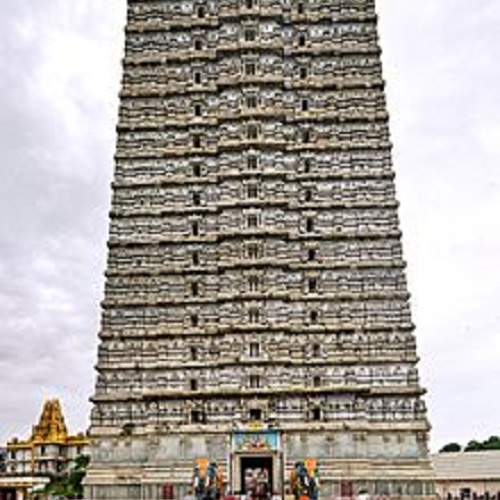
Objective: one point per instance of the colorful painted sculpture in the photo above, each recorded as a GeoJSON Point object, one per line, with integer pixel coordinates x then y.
{"type": "Point", "coordinates": [207, 480]}
{"type": "Point", "coordinates": [304, 480]}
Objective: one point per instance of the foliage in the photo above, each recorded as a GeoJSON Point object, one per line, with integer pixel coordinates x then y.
{"type": "Point", "coordinates": [474, 446]}
{"type": "Point", "coordinates": [492, 443]}
{"type": "Point", "coordinates": [450, 447]}
{"type": "Point", "coordinates": [70, 485]}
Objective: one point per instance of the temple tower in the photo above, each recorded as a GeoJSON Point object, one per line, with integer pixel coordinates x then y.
{"type": "Point", "coordinates": [49, 453]}
{"type": "Point", "coordinates": [256, 309]}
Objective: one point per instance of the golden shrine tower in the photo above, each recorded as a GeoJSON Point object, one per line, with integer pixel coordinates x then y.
{"type": "Point", "coordinates": [47, 453]}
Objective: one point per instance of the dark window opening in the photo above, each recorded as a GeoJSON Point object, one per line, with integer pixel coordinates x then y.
{"type": "Point", "coordinates": [256, 414]}
{"type": "Point", "coordinates": [254, 381]}
{"type": "Point", "coordinates": [252, 132]}
{"type": "Point", "coordinates": [312, 284]}
{"type": "Point", "coordinates": [250, 69]}
{"type": "Point", "coordinates": [253, 251]}
{"type": "Point", "coordinates": [195, 258]}
{"type": "Point", "coordinates": [254, 350]}
{"type": "Point", "coordinates": [305, 105]}
{"type": "Point", "coordinates": [252, 220]}
{"type": "Point", "coordinates": [302, 40]}
{"type": "Point", "coordinates": [197, 110]}
{"type": "Point", "coordinates": [316, 381]}
{"type": "Point", "coordinates": [316, 414]}
{"type": "Point", "coordinates": [194, 320]}
{"type": "Point", "coordinates": [250, 35]}
{"type": "Point", "coordinates": [303, 72]}
{"type": "Point", "coordinates": [253, 315]}
{"type": "Point", "coordinates": [466, 493]}
{"type": "Point", "coordinates": [308, 195]}
{"type": "Point", "coordinates": [316, 350]}
{"type": "Point", "coordinates": [252, 191]}
{"type": "Point", "coordinates": [196, 170]}
{"type": "Point", "coordinates": [194, 353]}
{"type": "Point", "coordinates": [197, 77]}
{"type": "Point", "coordinates": [300, 8]}
{"type": "Point", "coordinates": [198, 417]}
{"type": "Point", "coordinates": [253, 283]}
{"type": "Point", "coordinates": [305, 135]}
{"type": "Point", "coordinates": [307, 165]}
{"type": "Point", "coordinates": [196, 199]}
{"type": "Point", "coordinates": [249, 4]}
{"type": "Point", "coordinates": [195, 228]}
{"type": "Point", "coordinates": [198, 45]}
{"type": "Point", "coordinates": [313, 316]}
{"type": "Point", "coordinates": [194, 289]}
{"type": "Point", "coordinates": [252, 162]}
{"type": "Point", "coordinates": [193, 383]}
{"type": "Point", "coordinates": [196, 141]}
{"type": "Point", "coordinates": [309, 225]}
{"type": "Point", "coordinates": [311, 254]}
{"type": "Point", "coordinates": [128, 429]}
{"type": "Point", "coordinates": [251, 101]}
{"type": "Point", "coordinates": [201, 11]}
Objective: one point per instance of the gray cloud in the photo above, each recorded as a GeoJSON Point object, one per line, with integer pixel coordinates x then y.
{"type": "Point", "coordinates": [59, 78]}
{"type": "Point", "coordinates": [59, 63]}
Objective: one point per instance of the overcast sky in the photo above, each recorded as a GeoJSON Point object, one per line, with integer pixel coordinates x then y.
{"type": "Point", "coordinates": [59, 81]}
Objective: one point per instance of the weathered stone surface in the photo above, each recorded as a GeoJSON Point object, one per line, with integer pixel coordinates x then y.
{"type": "Point", "coordinates": [255, 269]}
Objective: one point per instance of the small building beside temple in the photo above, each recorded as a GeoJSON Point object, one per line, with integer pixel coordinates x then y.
{"type": "Point", "coordinates": [471, 475]}
{"type": "Point", "coordinates": [31, 463]}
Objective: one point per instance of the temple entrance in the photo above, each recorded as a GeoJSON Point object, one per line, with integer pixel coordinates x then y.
{"type": "Point", "coordinates": [8, 494]}
{"type": "Point", "coordinates": [256, 476]}
{"type": "Point", "coordinates": [257, 464]}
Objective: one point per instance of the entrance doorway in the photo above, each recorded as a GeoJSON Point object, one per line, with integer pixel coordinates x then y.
{"type": "Point", "coordinates": [7, 494]}
{"type": "Point", "coordinates": [256, 476]}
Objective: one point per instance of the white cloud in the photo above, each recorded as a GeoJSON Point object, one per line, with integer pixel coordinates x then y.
{"type": "Point", "coordinates": [441, 78]}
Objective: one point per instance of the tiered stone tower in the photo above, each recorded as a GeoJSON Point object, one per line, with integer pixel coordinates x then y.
{"type": "Point", "coordinates": [47, 453]}
{"type": "Point", "coordinates": [256, 310]}
{"type": "Point", "coordinates": [51, 426]}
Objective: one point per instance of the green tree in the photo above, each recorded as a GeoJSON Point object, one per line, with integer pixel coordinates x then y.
{"type": "Point", "coordinates": [474, 446]}
{"type": "Point", "coordinates": [450, 447]}
{"type": "Point", "coordinates": [70, 485]}
{"type": "Point", "coordinates": [492, 443]}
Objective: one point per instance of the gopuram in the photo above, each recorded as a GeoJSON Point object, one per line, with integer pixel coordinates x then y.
{"type": "Point", "coordinates": [256, 335]}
